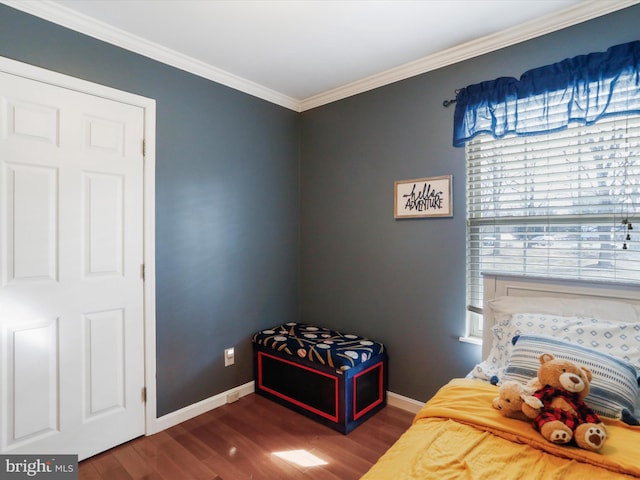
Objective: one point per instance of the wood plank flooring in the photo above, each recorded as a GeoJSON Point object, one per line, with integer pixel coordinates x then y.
{"type": "Point", "coordinates": [238, 441]}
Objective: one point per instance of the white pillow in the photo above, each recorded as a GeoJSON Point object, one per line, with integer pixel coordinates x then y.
{"type": "Point", "coordinates": [619, 339]}
{"type": "Point", "coordinates": [505, 306]}
{"type": "Point", "coordinates": [503, 332]}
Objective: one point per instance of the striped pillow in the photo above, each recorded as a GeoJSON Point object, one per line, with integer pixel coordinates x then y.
{"type": "Point", "coordinates": [614, 387]}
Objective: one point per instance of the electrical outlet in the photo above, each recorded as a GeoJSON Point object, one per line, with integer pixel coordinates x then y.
{"type": "Point", "coordinates": [229, 356]}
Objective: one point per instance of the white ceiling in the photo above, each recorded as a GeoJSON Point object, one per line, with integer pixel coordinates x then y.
{"type": "Point", "coordinates": [303, 53]}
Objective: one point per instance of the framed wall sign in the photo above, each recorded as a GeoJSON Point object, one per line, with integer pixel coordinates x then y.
{"type": "Point", "coordinates": [423, 197]}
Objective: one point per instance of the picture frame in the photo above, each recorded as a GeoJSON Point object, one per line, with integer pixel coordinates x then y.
{"type": "Point", "coordinates": [423, 197]}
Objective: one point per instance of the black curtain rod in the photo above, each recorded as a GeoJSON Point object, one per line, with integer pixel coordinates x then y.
{"type": "Point", "coordinates": [446, 103]}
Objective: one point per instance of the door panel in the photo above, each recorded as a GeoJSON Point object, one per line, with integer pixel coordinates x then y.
{"type": "Point", "coordinates": [31, 213]}
{"type": "Point", "coordinates": [104, 224]}
{"type": "Point", "coordinates": [105, 364]}
{"type": "Point", "coordinates": [31, 121]}
{"type": "Point", "coordinates": [34, 389]}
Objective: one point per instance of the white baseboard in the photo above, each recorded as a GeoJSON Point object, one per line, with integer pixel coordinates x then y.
{"type": "Point", "coordinates": [187, 413]}
{"type": "Point", "coordinates": [405, 403]}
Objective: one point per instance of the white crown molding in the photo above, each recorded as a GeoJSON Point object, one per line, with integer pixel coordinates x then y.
{"type": "Point", "coordinates": [582, 12]}
{"type": "Point", "coordinates": [68, 18]}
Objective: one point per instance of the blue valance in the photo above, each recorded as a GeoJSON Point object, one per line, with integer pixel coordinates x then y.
{"type": "Point", "coordinates": [580, 89]}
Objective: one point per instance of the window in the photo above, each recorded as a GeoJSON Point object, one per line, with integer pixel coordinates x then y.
{"type": "Point", "coordinates": [554, 205]}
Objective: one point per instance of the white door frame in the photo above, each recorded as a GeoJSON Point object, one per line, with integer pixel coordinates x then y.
{"type": "Point", "coordinates": [149, 106]}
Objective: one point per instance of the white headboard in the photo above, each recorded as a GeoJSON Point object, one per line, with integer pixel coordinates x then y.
{"type": "Point", "coordinates": [497, 285]}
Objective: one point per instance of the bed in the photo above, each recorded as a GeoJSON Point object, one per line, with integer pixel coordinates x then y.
{"type": "Point", "coordinates": [458, 434]}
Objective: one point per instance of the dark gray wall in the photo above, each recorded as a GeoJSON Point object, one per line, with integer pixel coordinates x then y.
{"type": "Point", "coordinates": [226, 205]}
{"type": "Point", "coordinates": [403, 281]}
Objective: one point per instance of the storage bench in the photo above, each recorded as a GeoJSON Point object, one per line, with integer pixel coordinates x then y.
{"type": "Point", "coordinates": [339, 380]}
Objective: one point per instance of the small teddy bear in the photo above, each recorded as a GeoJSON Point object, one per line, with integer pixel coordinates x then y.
{"type": "Point", "coordinates": [564, 416]}
{"type": "Point", "coordinates": [511, 396]}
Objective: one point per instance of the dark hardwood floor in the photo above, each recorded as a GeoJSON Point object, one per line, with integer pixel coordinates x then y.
{"type": "Point", "coordinates": [238, 442]}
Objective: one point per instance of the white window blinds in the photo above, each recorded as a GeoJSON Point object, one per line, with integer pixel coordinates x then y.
{"type": "Point", "coordinates": [554, 205]}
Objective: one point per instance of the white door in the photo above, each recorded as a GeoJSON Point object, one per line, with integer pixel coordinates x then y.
{"type": "Point", "coordinates": [71, 289]}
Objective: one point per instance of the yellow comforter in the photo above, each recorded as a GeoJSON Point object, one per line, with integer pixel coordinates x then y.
{"type": "Point", "coordinates": [458, 435]}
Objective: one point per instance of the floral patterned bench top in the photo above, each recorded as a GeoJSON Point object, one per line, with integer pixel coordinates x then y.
{"type": "Point", "coordinates": [321, 345]}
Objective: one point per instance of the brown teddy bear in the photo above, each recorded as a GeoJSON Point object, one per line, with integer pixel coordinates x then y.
{"type": "Point", "coordinates": [564, 415]}
{"type": "Point", "coordinates": [512, 395]}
